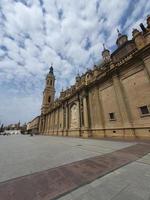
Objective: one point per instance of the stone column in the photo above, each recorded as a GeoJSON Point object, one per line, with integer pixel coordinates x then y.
{"type": "Point", "coordinates": [46, 120]}
{"type": "Point", "coordinates": [50, 123]}
{"type": "Point", "coordinates": [67, 119]}
{"type": "Point", "coordinates": [53, 122]}
{"type": "Point", "coordinates": [48, 126]}
{"type": "Point", "coordinates": [39, 126]}
{"type": "Point", "coordinates": [43, 125]}
{"type": "Point", "coordinates": [80, 118]}
{"type": "Point", "coordinates": [86, 119]}
{"type": "Point", "coordinates": [47, 130]}
{"type": "Point", "coordinates": [146, 61]}
{"type": "Point", "coordinates": [123, 104]}
{"type": "Point", "coordinates": [101, 112]}
{"type": "Point", "coordinates": [50, 116]}
{"type": "Point", "coordinates": [62, 119]}
{"type": "Point", "coordinates": [58, 120]}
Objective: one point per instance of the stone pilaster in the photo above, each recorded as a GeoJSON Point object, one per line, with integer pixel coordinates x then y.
{"type": "Point", "coordinates": [58, 121]}
{"type": "Point", "coordinates": [47, 129]}
{"type": "Point", "coordinates": [48, 126]}
{"type": "Point", "coordinates": [80, 118]}
{"type": "Point", "coordinates": [50, 123]}
{"type": "Point", "coordinates": [146, 61]}
{"type": "Point", "coordinates": [122, 104]}
{"type": "Point", "coordinates": [67, 118]}
{"type": "Point", "coordinates": [101, 112]}
{"type": "Point", "coordinates": [62, 119]}
{"type": "Point", "coordinates": [39, 125]}
{"type": "Point", "coordinates": [86, 118]}
{"type": "Point", "coordinates": [53, 122]}
{"type": "Point", "coordinates": [43, 125]}
{"type": "Point", "coordinates": [46, 123]}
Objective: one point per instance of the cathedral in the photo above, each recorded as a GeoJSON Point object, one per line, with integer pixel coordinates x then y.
{"type": "Point", "coordinates": [110, 100]}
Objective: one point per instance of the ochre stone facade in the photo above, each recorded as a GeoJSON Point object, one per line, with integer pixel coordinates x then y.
{"type": "Point", "coordinates": [110, 100]}
{"type": "Point", "coordinates": [33, 126]}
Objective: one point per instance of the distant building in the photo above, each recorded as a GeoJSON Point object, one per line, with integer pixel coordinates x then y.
{"type": "Point", "coordinates": [24, 128]}
{"type": "Point", "coordinates": [33, 126]}
{"type": "Point", "coordinates": [13, 126]}
{"type": "Point", "coordinates": [110, 100]}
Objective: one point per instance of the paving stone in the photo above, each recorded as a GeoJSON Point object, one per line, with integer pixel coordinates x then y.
{"type": "Point", "coordinates": [66, 197]}
{"type": "Point", "coordinates": [133, 192]}
{"type": "Point", "coordinates": [145, 159]}
{"type": "Point", "coordinates": [86, 196]}
{"type": "Point", "coordinates": [80, 191]}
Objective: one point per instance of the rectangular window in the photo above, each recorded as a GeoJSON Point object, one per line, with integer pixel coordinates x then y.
{"type": "Point", "coordinates": [112, 116]}
{"type": "Point", "coordinates": [144, 110]}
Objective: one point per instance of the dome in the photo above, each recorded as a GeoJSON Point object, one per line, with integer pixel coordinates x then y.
{"type": "Point", "coordinates": [121, 39]}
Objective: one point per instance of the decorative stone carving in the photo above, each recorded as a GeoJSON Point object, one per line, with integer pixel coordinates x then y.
{"type": "Point", "coordinates": [74, 116]}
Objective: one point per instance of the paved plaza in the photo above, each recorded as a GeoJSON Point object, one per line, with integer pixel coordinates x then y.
{"type": "Point", "coordinates": [21, 155]}
{"type": "Point", "coordinates": [124, 175]}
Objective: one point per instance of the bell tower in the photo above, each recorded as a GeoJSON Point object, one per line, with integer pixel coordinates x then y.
{"type": "Point", "coordinates": [49, 91]}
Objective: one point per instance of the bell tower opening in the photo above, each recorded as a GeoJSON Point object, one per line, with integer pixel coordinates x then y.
{"type": "Point", "coordinates": [49, 99]}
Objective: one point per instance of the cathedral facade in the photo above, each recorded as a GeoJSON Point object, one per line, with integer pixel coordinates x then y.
{"type": "Point", "coordinates": [110, 100]}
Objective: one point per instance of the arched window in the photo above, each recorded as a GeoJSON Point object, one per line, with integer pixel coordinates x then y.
{"type": "Point", "coordinates": [51, 82]}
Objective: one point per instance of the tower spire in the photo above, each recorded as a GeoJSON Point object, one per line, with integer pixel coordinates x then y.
{"type": "Point", "coordinates": [51, 69]}
{"type": "Point", "coordinates": [104, 48]}
{"type": "Point", "coordinates": [119, 34]}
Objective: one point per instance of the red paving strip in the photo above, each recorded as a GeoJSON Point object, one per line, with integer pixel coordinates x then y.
{"type": "Point", "coordinates": [53, 183]}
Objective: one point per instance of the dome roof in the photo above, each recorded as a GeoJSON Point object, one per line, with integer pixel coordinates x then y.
{"type": "Point", "coordinates": [121, 39]}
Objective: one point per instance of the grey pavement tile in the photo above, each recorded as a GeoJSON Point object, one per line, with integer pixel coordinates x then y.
{"type": "Point", "coordinates": [145, 159]}
{"type": "Point", "coordinates": [86, 196]}
{"type": "Point", "coordinates": [106, 191]}
{"type": "Point", "coordinates": [66, 197]}
{"type": "Point", "coordinates": [133, 192]}
{"type": "Point", "coordinates": [80, 191]}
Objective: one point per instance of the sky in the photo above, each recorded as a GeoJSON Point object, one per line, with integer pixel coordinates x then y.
{"type": "Point", "coordinates": [68, 33]}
